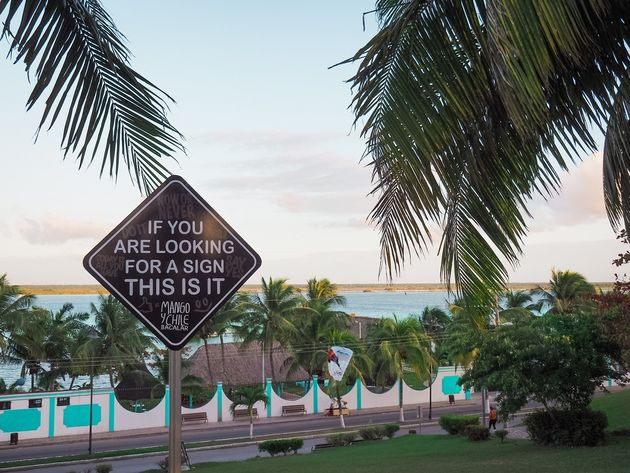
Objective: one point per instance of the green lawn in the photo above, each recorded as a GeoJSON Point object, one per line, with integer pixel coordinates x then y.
{"type": "Point", "coordinates": [616, 406]}
{"type": "Point", "coordinates": [441, 454]}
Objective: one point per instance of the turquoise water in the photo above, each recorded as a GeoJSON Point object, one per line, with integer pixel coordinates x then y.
{"type": "Point", "coordinates": [369, 304]}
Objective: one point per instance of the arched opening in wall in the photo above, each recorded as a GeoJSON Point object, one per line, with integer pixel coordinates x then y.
{"type": "Point", "coordinates": [416, 382]}
{"type": "Point", "coordinates": [195, 395]}
{"type": "Point", "coordinates": [138, 390]}
{"type": "Point", "coordinates": [380, 386]}
{"type": "Point", "coordinates": [292, 390]}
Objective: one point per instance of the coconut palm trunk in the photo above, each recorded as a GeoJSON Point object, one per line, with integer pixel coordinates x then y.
{"type": "Point", "coordinates": [341, 419]}
{"type": "Point", "coordinates": [223, 358]}
{"type": "Point", "coordinates": [273, 369]}
{"type": "Point", "coordinates": [251, 422]}
{"type": "Point", "coordinates": [205, 344]}
{"type": "Point", "coordinates": [400, 397]}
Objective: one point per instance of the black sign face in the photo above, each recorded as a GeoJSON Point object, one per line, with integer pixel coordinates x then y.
{"type": "Point", "coordinates": [173, 262]}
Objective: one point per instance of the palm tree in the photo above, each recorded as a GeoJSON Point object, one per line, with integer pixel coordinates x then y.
{"type": "Point", "coordinates": [472, 108]}
{"type": "Point", "coordinates": [221, 323]}
{"type": "Point", "coordinates": [62, 328]}
{"type": "Point", "coordinates": [160, 363]}
{"type": "Point", "coordinates": [566, 292]}
{"type": "Point", "coordinates": [14, 306]}
{"type": "Point", "coordinates": [435, 322]}
{"type": "Point", "coordinates": [399, 346]}
{"type": "Point", "coordinates": [268, 317]}
{"type": "Point", "coordinates": [324, 291]}
{"type": "Point", "coordinates": [81, 70]}
{"type": "Point", "coordinates": [517, 305]}
{"type": "Point", "coordinates": [360, 364]}
{"type": "Point", "coordinates": [121, 340]}
{"type": "Point", "coordinates": [27, 344]}
{"type": "Point", "coordinates": [317, 319]}
{"type": "Point", "coordinates": [248, 396]}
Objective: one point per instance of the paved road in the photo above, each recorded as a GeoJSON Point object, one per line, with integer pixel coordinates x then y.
{"type": "Point", "coordinates": [229, 431]}
{"type": "Point", "coordinates": [137, 465]}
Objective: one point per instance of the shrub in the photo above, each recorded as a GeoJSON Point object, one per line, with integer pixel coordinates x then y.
{"type": "Point", "coordinates": [340, 440]}
{"type": "Point", "coordinates": [370, 433]}
{"type": "Point", "coordinates": [284, 446]}
{"type": "Point", "coordinates": [501, 434]}
{"type": "Point", "coordinates": [455, 424]}
{"type": "Point", "coordinates": [103, 468]}
{"type": "Point", "coordinates": [620, 432]}
{"type": "Point", "coordinates": [389, 430]}
{"type": "Point", "coordinates": [477, 432]}
{"type": "Point", "coordinates": [567, 427]}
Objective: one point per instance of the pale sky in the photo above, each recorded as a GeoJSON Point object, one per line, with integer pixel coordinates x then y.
{"type": "Point", "coordinates": [270, 146]}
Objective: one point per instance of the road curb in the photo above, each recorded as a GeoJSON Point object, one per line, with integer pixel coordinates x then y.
{"type": "Point", "coordinates": [305, 435]}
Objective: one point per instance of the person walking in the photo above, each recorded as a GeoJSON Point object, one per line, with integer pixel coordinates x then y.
{"type": "Point", "coordinates": [492, 418]}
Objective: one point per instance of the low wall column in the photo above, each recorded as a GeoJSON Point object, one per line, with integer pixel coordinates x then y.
{"type": "Point", "coordinates": [167, 404]}
{"type": "Point", "coordinates": [358, 394]}
{"type": "Point", "coordinates": [315, 394]}
{"type": "Point", "coordinates": [52, 402]}
{"type": "Point", "coordinates": [219, 395]}
{"type": "Point", "coordinates": [112, 411]}
{"type": "Point", "coordinates": [269, 389]}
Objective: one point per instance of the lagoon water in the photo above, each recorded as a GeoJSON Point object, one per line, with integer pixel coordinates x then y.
{"type": "Point", "coordinates": [369, 304]}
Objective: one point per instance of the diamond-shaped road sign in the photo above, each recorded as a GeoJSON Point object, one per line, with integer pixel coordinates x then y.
{"type": "Point", "coordinates": [173, 262]}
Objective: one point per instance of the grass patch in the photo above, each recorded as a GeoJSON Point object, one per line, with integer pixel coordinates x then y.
{"type": "Point", "coordinates": [616, 406]}
{"type": "Point", "coordinates": [440, 454]}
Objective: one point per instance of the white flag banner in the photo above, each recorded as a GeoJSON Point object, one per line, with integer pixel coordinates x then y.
{"type": "Point", "coordinates": [338, 359]}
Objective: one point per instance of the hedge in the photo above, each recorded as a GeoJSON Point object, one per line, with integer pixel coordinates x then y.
{"type": "Point", "coordinates": [567, 427]}
{"type": "Point", "coordinates": [455, 424]}
{"type": "Point", "coordinates": [284, 446]}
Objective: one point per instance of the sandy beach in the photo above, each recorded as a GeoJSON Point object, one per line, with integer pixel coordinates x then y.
{"type": "Point", "coordinates": [251, 288]}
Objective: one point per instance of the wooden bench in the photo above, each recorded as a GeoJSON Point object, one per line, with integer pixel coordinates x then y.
{"type": "Point", "coordinates": [195, 417]}
{"type": "Point", "coordinates": [296, 409]}
{"type": "Point", "coordinates": [243, 413]}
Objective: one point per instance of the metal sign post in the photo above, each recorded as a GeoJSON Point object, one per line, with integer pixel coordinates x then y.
{"type": "Point", "coordinates": [173, 262]}
{"type": "Point", "coordinates": [175, 423]}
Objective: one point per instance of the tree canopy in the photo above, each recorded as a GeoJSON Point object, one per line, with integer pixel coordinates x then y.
{"type": "Point", "coordinates": [472, 107]}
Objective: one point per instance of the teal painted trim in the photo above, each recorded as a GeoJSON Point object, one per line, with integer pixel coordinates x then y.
{"type": "Point", "coordinates": [315, 388]}
{"type": "Point", "coordinates": [358, 394]}
{"type": "Point", "coordinates": [269, 396]}
{"type": "Point", "coordinates": [79, 415]}
{"type": "Point", "coordinates": [450, 386]}
{"type": "Point", "coordinates": [190, 401]}
{"type": "Point", "coordinates": [20, 420]}
{"type": "Point", "coordinates": [219, 396]}
{"type": "Point", "coordinates": [167, 404]}
{"type": "Point", "coordinates": [400, 391]}
{"type": "Point", "coordinates": [51, 417]}
{"type": "Point", "coordinates": [112, 411]}
{"type": "Point", "coordinates": [468, 395]}
{"type": "Point", "coordinates": [56, 394]}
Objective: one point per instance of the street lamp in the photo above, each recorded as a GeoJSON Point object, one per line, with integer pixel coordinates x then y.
{"type": "Point", "coordinates": [93, 337]}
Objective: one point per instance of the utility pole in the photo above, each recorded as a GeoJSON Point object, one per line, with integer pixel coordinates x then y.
{"type": "Point", "coordinates": [175, 423]}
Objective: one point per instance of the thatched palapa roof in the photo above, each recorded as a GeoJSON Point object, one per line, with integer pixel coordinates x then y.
{"type": "Point", "coordinates": [243, 366]}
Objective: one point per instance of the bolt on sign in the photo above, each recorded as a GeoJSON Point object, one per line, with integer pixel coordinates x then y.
{"type": "Point", "coordinates": [173, 262]}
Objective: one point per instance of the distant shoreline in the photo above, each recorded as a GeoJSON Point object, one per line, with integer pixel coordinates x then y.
{"type": "Point", "coordinates": [78, 289]}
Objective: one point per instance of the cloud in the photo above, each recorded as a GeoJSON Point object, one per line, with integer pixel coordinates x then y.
{"type": "Point", "coordinates": [58, 230]}
{"type": "Point", "coordinates": [269, 140]}
{"type": "Point", "coordinates": [324, 203]}
{"type": "Point", "coordinates": [581, 198]}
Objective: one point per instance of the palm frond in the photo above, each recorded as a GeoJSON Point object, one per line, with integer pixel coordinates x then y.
{"type": "Point", "coordinates": [471, 107]}
{"type": "Point", "coordinates": [81, 65]}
